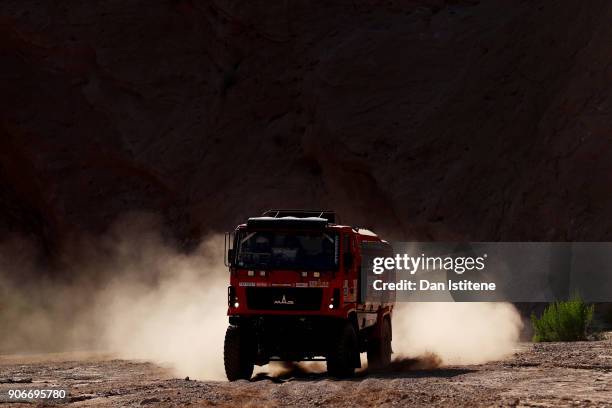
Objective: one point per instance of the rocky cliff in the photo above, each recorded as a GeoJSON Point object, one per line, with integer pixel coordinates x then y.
{"type": "Point", "coordinates": [425, 119]}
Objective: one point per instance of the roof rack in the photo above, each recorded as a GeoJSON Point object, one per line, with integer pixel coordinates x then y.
{"type": "Point", "coordinates": [329, 215]}
{"type": "Point", "coordinates": [290, 223]}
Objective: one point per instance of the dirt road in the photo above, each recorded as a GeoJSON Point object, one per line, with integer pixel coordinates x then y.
{"type": "Point", "coordinates": [542, 375]}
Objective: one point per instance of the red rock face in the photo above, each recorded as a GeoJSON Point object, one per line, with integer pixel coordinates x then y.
{"type": "Point", "coordinates": [423, 119]}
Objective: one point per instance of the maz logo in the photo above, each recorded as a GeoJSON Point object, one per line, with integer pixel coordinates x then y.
{"type": "Point", "coordinates": [284, 301]}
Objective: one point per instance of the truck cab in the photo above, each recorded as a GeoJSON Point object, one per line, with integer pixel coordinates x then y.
{"type": "Point", "coordinates": [295, 294]}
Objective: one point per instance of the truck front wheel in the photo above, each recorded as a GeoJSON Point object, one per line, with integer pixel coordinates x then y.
{"type": "Point", "coordinates": [379, 349]}
{"type": "Point", "coordinates": [343, 353]}
{"type": "Point", "coordinates": [238, 354]}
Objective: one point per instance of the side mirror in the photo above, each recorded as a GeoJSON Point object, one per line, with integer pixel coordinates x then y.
{"type": "Point", "coordinates": [230, 256]}
{"type": "Point", "coordinates": [228, 251]}
{"type": "Point", "coordinates": [348, 260]}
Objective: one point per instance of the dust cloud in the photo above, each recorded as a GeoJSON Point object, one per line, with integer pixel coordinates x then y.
{"type": "Point", "coordinates": [456, 333]}
{"type": "Point", "coordinates": [427, 361]}
{"type": "Point", "coordinates": [181, 320]}
{"type": "Point", "coordinates": [128, 292]}
{"type": "Point", "coordinates": [131, 293]}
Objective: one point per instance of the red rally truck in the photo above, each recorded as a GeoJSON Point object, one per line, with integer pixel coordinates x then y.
{"type": "Point", "coordinates": [296, 294]}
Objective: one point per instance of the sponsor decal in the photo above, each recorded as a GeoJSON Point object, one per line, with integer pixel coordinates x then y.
{"type": "Point", "coordinates": [318, 284]}
{"type": "Point", "coordinates": [282, 285]}
{"type": "Point", "coordinates": [246, 284]}
{"type": "Point", "coordinates": [301, 285]}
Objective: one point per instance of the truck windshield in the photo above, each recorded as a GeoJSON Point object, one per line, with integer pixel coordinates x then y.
{"type": "Point", "coordinates": [287, 250]}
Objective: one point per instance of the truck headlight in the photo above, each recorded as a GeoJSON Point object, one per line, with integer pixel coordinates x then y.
{"type": "Point", "coordinates": [232, 299]}
{"type": "Point", "coordinates": [334, 302]}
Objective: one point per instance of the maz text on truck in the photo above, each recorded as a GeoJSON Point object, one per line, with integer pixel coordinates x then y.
{"type": "Point", "coordinates": [295, 294]}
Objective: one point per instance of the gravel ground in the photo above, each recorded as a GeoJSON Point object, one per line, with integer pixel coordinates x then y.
{"type": "Point", "coordinates": [538, 375]}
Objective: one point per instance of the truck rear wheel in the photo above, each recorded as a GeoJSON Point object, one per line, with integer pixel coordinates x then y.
{"type": "Point", "coordinates": [343, 354]}
{"type": "Point", "coordinates": [379, 350]}
{"type": "Point", "coordinates": [238, 354]}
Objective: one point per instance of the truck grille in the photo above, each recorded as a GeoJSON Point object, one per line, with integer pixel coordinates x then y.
{"type": "Point", "coordinates": [284, 298]}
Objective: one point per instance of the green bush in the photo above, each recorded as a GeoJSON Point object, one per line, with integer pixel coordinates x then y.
{"type": "Point", "coordinates": [563, 321]}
